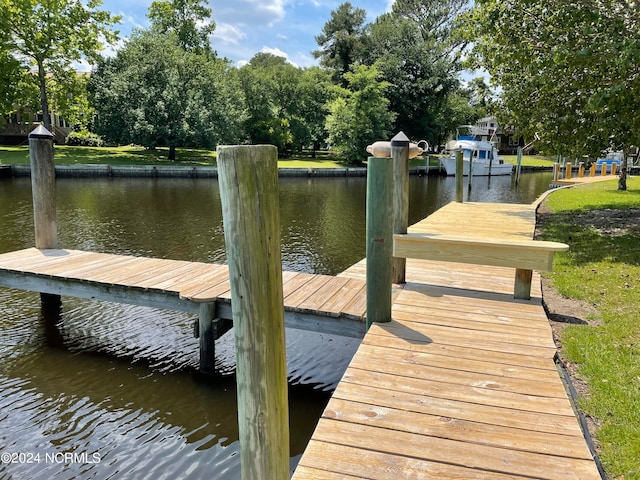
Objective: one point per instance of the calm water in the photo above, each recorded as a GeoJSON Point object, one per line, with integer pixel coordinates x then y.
{"type": "Point", "coordinates": [115, 384]}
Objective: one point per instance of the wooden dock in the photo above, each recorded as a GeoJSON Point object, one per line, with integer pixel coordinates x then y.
{"type": "Point", "coordinates": [312, 302]}
{"type": "Point", "coordinates": [575, 180]}
{"type": "Point", "coordinates": [460, 384]}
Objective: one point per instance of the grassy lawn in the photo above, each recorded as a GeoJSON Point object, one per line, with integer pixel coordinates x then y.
{"type": "Point", "coordinates": [133, 155]}
{"type": "Point", "coordinates": [129, 155]}
{"type": "Point", "coordinates": [603, 269]}
{"type": "Point", "coordinates": [530, 160]}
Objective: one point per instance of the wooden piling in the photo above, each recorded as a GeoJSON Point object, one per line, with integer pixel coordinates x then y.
{"type": "Point", "coordinates": [379, 239]}
{"type": "Point", "coordinates": [459, 175]}
{"type": "Point", "coordinates": [592, 170]}
{"type": "Point", "coordinates": [567, 171]}
{"type": "Point", "coordinates": [470, 176]}
{"type": "Point", "coordinates": [206, 315]}
{"type": "Point", "coordinates": [614, 167]}
{"type": "Point", "coordinates": [400, 156]}
{"type": "Point", "coordinates": [581, 170]}
{"type": "Point", "coordinates": [603, 169]}
{"type": "Point", "coordinates": [556, 172]}
{"type": "Point", "coordinates": [248, 177]}
{"type": "Point", "coordinates": [43, 186]}
{"type": "Point", "coordinates": [518, 165]}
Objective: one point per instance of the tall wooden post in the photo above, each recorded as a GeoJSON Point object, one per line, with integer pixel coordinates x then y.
{"type": "Point", "coordinates": [459, 175]}
{"type": "Point", "coordinates": [567, 171]}
{"type": "Point", "coordinates": [518, 165]}
{"type": "Point", "coordinates": [556, 172]}
{"type": "Point", "coordinates": [43, 188]}
{"type": "Point", "coordinates": [379, 239]}
{"type": "Point", "coordinates": [470, 176]}
{"type": "Point", "coordinates": [581, 170]}
{"type": "Point", "coordinates": [400, 156]}
{"type": "Point", "coordinates": [206, 316]}
{"type": "Point", "coordinates": [248, 177]}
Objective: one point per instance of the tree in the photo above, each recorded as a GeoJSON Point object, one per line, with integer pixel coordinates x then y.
{"type": "Point", "coordinates": [481, 97]}
{"type": "Point", "coordinates": [272, 91]}
{"type": "Point", "coordinates": [569, 71]}
{"type": "Point", "coordinates": [155, 93]}
{"type": "Point", "coordinates": [19, 86]}
{"type": "Point", "coordinates": [52, 35]}
{"type": "Point", "coordinates": [359, 115]}
{"type": "Point", "coordinates": [417, 54]}
{"type": "Point", "coordinates": [341, 40]}
{"type": "Point", "coordinates": [315, 93]}
{"type": "Point", "coordinates": [189, 20]}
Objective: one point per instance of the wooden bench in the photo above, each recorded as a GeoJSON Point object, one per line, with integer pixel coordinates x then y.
{"type": "Point", "coordinates": [523, 255]}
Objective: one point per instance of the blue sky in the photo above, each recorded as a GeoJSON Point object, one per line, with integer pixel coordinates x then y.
{"type": "Point", "coordinates": [246, 27]}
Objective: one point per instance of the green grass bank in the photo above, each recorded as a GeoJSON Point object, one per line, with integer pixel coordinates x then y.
{"type": "Point", "coordinates": [602, 269]}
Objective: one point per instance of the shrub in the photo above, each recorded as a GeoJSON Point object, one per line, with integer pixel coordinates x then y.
{"type": "Point", "coordinates": [84, 139]}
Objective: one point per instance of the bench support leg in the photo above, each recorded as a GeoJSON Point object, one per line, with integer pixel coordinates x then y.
{"type": "Point", "coordinates": [522, 287]}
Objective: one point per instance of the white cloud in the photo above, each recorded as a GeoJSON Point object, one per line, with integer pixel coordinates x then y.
{"type": "Point", "coordinates": [129, 21]}
{"type": "Point", "coordinates": [250, 12]}
{"type": "Point", "coordinates": [277, 52]}
{"type": "Point", "coordinates": [110, 51]}
{"type": "Point", "coordinates": [82, 66]}
{"type": "Point", "coordinates": [228, 34]}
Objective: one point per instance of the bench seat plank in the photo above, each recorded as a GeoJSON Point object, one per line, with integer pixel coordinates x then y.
{"type": "Point", "coordinates": [520, 254]}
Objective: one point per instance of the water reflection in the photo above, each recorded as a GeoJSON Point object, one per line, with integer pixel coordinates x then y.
{"type": "Point", "coordinates": [117, 380]}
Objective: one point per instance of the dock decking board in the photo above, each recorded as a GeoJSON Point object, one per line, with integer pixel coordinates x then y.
{"type": "Point", "coordinates": [461, 384]}
{"type": "Point", "coordinates": [180, 285]}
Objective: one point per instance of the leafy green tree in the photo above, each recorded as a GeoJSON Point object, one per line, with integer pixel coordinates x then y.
{"type": "Point", "coordinates": [272, 91]}
{"type": "Point", "coordinates": [457, 109]}
{"type": "Point", "coordinates": [155, 93]}
{"type": "Point", "coordinates": [418, 54]}
{"type": "Point", "coordinates": [315, 93]}
{"type": "Point", "coordinates": [481, 97]}
{"type": "Point", "coordinates": [70, 98]}
{"type": "Point", "coordinates": [189, 20]}
{"type": "Point", "coordinates": [359, 115]}
{"type": "Point", "coordinates": [52, 35]}
{"type": "Point", "coordinates": [569, 70]}
{"type": "Point", "coordinates": [341, 41]}
{"type": "Point", "coordinates": [18, 87]}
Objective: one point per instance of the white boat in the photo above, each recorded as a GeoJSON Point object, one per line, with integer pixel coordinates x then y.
{"type": "Point", "coordinates": [482, 153]}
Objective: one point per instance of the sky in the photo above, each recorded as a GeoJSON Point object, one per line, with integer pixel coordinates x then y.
{"type": "Point", "coordinates": [246, 27]}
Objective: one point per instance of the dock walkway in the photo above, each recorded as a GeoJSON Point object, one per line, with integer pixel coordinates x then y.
{"type": "Point", "coordinates": [314, 302]}
{"type": "Point", "coordinates": [460, 384]}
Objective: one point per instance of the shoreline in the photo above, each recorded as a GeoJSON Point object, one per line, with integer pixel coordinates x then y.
{"type": "Point", "coordinates": [179, 171]}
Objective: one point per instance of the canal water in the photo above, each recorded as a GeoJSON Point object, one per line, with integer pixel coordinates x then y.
{"type": "Point", "coordinates": [102, 390]}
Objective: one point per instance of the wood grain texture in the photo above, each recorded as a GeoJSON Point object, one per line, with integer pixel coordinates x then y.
{"type": "Point", "coordinates": [462, 383]}
{"type": "Point", "coordinates": [194, 281]}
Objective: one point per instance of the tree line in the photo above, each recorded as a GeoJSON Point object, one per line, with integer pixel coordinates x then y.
{"type": "Point", "coordinates": [566, 72]}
